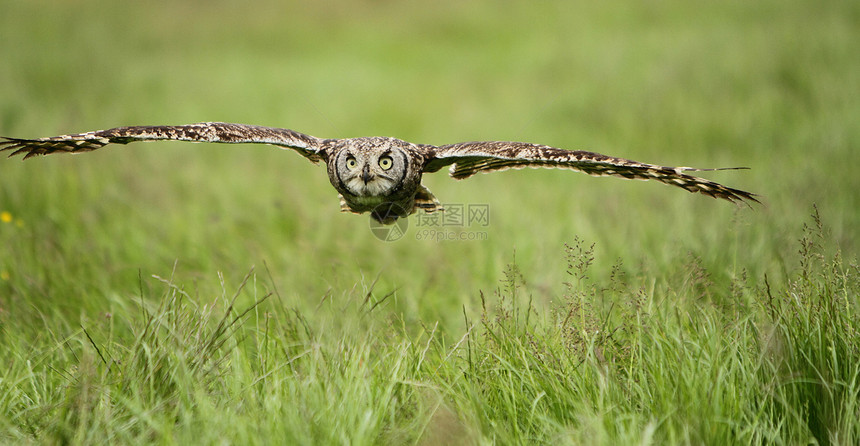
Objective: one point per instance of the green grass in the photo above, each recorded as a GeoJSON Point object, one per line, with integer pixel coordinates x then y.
{"type": "Point", "coordinates": [175, 293]}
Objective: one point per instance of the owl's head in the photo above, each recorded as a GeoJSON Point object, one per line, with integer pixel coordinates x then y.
{"type": "Point", "coordinates": [371, 167]}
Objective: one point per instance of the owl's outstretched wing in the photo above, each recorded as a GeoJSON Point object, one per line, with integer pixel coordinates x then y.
{"type": "Point", "coordinates": [469, 158]}
{"type": "Point", "coordinates": [221, 132]}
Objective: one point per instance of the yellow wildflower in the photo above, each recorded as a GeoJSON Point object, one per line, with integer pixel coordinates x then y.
{"type": "Point", "coordinates": [5, 217]}
{"type": "Point", "coordinates": [4, 275]}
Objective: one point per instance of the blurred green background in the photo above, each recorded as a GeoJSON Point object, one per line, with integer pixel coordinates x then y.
{"type": "Point", "coordinates": [699, 322]}
{"type": "Point", "coordinates": [771, 85]}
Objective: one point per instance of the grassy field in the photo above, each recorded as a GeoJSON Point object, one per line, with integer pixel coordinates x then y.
{"type": "Point", "coordinates": [174, 293]}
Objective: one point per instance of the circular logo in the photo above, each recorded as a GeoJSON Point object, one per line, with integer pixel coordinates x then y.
{"type": "Point", "coordinates": [388, 222]}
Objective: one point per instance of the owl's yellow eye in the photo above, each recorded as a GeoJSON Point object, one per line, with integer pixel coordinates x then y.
{"type": "Point", "coordinates": [385, 162]}
{"type": "Point", "coordinates": [351, 163]}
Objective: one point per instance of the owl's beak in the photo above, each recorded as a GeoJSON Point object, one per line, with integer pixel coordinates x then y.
{"type": "Point", "coordinates": [365, 174]}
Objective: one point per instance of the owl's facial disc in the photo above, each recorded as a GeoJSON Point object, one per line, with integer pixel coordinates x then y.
{"type": "Point", "coordinates": [368, 185]}
{"type": "Point", "coordinates": [368, 176]}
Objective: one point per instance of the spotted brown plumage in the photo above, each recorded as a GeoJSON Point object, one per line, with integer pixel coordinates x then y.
{"type": "Point", "coordinates": [371, 172]}
{"type": "Point", "coordinates": [469, 158]}
{"type": "Point", "coordinates": [220, 132]}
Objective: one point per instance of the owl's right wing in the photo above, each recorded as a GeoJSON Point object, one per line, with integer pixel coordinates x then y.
{"type": "Point", "coordinates": [220, 132]}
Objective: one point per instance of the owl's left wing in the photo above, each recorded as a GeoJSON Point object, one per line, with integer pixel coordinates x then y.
{"type": "Point", "coordinates": [220, 132]}
{"type": "Point", "coordinates": [469, 158]}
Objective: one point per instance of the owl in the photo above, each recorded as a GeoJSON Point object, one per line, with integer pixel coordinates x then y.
{"type": "Point", "coordinates": [382, 175]}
